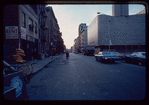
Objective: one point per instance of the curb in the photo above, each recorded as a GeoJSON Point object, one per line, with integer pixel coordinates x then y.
{"type": "Point", "coordinates": [44, 66]}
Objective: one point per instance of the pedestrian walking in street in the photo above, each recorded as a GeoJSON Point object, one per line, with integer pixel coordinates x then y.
{"type": "Point", "coordinates": [67, 54]}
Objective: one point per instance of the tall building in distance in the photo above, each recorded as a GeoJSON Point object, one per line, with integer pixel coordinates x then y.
{"type": "Point", "coordinates": [82, 37]}
{"type": "Point", "coordinates": [120, 10]}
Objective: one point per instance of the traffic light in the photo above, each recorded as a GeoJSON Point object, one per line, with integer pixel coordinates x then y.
{"type": "Point", "coordinates": [18, 56]}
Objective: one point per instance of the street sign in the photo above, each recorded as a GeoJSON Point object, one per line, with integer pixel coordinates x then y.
{"type": "Point", "coordinates": [23, 33]}
{"type": "Point", "coordinates": [11, 32]}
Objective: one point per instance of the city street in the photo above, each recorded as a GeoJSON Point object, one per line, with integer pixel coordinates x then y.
{"type": "Point", "coordinates": [83, 78]}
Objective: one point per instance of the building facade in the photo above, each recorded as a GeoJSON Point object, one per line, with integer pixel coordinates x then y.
{"type": "Point", "coordinates": [31, 27]}
{"type": "Point", "coordinates": [82, 37]}
{"type": "Point", "coordinates": [42, 30]}
{"type": "Point", "coordinates": [56, 43]}
{"type": "Point", "coordinates": [119, 33]}
{"type": "Point", "coordinates": [50, 41]}
{"type": "Point", "coordinates": [24, 20]}
{"type": "Point", "coordinates": [42, 14]}
{"type": "Point", "coordinates": [77, 45]}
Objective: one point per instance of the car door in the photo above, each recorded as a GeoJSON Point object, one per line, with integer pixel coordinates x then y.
{"type": "Point", "coordinates": [134, 58]}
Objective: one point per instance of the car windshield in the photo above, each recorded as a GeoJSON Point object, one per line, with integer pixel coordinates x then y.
{"type": "Point", "coordinates": [106, 53]}
{"type": "Point", "coordinates": [134, 53]}
{"type": "Point", "coordinates": [116, 53]}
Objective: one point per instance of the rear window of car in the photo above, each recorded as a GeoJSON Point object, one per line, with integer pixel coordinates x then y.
{"type": "Point", "coordinates": [143, 54]}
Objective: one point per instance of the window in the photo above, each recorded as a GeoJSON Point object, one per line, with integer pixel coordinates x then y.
{"type": "Point", "coordinates": [100, 53]}
{"type": "Point", "coordinates": [31, 26]}
{"type": "Point", "coordinates": [23, 20]}
{"type": "Point", "coordinates": [134, 54]}
{"type": "Point", "coordinates": [143, 54]}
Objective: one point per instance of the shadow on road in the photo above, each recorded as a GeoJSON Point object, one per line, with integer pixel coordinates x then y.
{"type": "Point", "coordinates": [106, 62]}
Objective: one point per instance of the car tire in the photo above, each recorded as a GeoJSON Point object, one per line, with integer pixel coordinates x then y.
{"type": "Point", "coordinates": [99, 60]}
{"type": "Point", "coordinates": [96, 59]}
{"type": "Point", "coordinates": [125, 61]}
{"type": "Point", "coordinates": [140, 63]}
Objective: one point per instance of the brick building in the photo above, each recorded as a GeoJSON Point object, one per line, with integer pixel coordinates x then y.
{"type": "Point", "coordinates": [42, 30]}
{"type": "Point", "coordinates": [56, 43]}
{"type": "Point", "coordinates": [36, 26]}
{"type": "Point", "coordinates": [24, 20]}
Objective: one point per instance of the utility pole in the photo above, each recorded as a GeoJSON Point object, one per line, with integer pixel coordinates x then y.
{"type": "Point", "coordinates": [109, 44]}
{"type": "Point", "coordinates": [19, 39]}
{"type": "Point", "coordinates": [109, 35]}
{"type": "Point", "coordinates": [52, 49]}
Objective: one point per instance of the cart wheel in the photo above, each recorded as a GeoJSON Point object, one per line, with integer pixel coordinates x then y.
{"type": "Point", "coordinates": [27, 79]}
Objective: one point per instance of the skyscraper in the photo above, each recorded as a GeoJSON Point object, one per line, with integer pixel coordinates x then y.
{"type": "Point", "coordinates": [120, 10]}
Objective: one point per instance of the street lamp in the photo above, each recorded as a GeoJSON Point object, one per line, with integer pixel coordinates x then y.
{"type": "Point", "coordinates": [109, 35]}
{"type": "Point", "coordinates": [98, 12]}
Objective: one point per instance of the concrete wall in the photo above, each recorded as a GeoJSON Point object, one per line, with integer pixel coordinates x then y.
{"type": "Point", "coordinates": [120, 30]}
{"type": "Point", "coordinates": [85, 36]}
{"type": "Point", "coordinates": [126, 30]}
{"type": "Point", "coordinates": [136, 28]}
{"type": "Point", "coordinates": [93, 32]}
{"type": "Point", "coordinates": [103, 29]}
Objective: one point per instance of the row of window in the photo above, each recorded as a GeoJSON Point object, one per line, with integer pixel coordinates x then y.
{"type": "Point", "coordinates": [31, 26]}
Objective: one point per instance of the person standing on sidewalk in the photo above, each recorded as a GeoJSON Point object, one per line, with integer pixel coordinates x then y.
{"type": "Point", "coordinates": [35, 55]}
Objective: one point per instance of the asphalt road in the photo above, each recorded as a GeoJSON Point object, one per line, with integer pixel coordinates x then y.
{"type": "Point", "coordinates": [83, 78]}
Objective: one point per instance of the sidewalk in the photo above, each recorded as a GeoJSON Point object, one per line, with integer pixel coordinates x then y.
{"type": "Point", "coordinates": [41, 63]}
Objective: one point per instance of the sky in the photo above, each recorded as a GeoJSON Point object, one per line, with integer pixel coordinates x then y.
{"type": "Point", "coordinates": [69, 17]}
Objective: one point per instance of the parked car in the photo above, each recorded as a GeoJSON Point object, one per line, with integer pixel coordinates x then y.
{"type": "Point", "coordinates": [121, 56]}
{"type": "Point", "coordinates": [89, 52]}
{"type": "Point", "coordinates": [106, 56]}
{"type": "Point", "coordinates": [136, 57]}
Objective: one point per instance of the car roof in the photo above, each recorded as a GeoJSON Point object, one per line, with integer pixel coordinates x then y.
{"type": "Point", "coordinates": [109, 51]}
{"type": "Point", "coordinates": [105, 52]}
{"type": "Point", "coordinates": [139, 52]}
